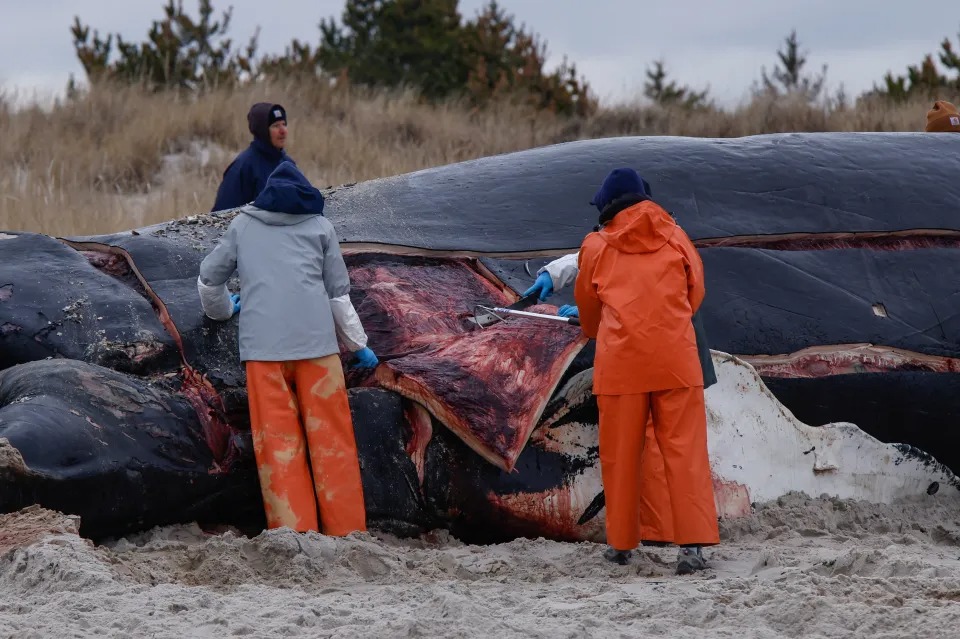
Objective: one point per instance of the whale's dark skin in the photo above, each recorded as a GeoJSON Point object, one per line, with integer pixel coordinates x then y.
{"type": "Point", "coordinates": [121, 402]}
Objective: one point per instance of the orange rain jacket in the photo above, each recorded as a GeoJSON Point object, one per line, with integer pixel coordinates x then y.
{"type": "Point", "coordinates": [640, 281]}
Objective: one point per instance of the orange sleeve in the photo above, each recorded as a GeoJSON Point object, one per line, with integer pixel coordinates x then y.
{"type": "Point", "coordinates": [696, 289]}
{"type": "Point", "coordinates": [585, 291]}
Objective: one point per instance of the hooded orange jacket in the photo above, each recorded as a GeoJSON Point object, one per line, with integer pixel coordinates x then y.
{"type": "Point", "coordinates": [640, 281]}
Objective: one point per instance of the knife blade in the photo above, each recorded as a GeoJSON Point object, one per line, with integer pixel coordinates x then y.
{"type": "Point", "coordinates": [486, 319]}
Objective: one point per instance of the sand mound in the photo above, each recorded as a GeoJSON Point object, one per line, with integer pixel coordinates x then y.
{"type": "Point", "coordinates": [797, 567]}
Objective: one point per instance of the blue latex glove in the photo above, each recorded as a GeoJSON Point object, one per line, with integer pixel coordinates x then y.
{"type": "Point", "coordinates": [365, 359]}
{"type": "Point", "coordinates": [235, 298]}
{"type": "Point", "coordinates": [543, 286]}
{"type": "Point", "coordinates": [568, 310]}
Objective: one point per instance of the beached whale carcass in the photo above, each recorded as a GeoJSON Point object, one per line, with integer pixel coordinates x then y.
{"type": "Point", "coordinates": [813, 246]}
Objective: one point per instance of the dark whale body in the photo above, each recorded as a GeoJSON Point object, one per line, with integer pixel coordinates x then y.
{"type": "Point", "coordinates": [121, 402]}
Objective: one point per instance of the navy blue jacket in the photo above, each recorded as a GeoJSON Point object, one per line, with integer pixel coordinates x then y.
{"type": "Point", "coordinates": [247, 174]}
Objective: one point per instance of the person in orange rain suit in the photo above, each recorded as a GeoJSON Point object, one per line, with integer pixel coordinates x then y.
{"type": "Point", "coordinates": [656, 518]}
{"type": "Point", "coordinates": [639, 282]}
{"type": "Point", "coordinates": [296, 305]}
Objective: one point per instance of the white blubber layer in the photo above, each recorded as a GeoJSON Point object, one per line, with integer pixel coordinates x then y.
{"type": "Point", "coordinates": [756, 442]}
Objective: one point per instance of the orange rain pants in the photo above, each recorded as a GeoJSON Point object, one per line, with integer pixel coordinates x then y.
{"type": "Point", "coordinates": [679, 423]}
{"type": "Point", "coordinates": [292, 482]}
{"type": "Point", "coordinates": [656, 511]}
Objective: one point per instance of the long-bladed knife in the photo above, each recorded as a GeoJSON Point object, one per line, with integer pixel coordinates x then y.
{"type": "Point", "coordinates": [487, 318]}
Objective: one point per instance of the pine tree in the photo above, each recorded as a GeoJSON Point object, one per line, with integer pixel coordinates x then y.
{"type": "Point", "coordinates": [379, 43]}
{"type": "Point", "coordinates": [790, 80]}
{"type": "Point", "coordinates": [506, 60]}
{"type": "Point", "coordinates": [179, 52]}
{"type": "Point", "coordinates": [391, 43]}
{"type": "Point", "coordinates": [924, 79]}
{"type": "Point", "coordinates": [658, 89]}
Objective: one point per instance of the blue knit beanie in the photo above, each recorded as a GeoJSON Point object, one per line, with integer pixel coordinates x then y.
{"type": "Point", "coordinates": [619, 182]}
{"type": "Point", "coordinates": [289, 191]}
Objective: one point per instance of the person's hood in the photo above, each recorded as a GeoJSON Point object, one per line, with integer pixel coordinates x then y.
{"type": "Point", "coordinates": [258, 121]}
{"type": "Point", "coordinates": [619, 183]}
{"type": "Point", "coordinates": [643, 227]}
{"type": "Point", "coordinates": [287, 197]}
{"type": "Point", "coordinates": [273, 218]}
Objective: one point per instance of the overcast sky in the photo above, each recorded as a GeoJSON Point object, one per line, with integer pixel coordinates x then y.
{"type": "Point", "coordinates": [717, 43]}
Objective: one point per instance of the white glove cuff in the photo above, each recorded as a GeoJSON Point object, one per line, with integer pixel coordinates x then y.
{"type": "Point", "coordinates": [563, 270]}
{"type": "Point", "coordinates": [215, 301]}
{"type": "Point", "coordinates": [347, 322]}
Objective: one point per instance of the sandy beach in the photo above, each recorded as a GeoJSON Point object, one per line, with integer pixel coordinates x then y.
{"type": "Point", "coordinates": [798, 567]}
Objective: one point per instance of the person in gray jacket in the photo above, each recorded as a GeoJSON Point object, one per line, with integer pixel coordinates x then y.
{"type": "Point", "coordinates": [296, 310]}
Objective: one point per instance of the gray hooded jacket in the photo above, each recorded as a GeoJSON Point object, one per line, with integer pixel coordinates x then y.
{"type": "Point", "coordinates": [294, 286]}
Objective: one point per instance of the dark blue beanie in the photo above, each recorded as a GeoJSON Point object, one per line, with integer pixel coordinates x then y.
{"type": "Point", "coordinates": [289, 191]}
{"type": "Point", "coordinates": [619, 182]}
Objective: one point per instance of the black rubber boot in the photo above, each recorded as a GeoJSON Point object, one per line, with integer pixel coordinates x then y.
{"type": "Point", "coordinates": [690, 560]}
{"type": "Point", "coordinates": [621, 557]}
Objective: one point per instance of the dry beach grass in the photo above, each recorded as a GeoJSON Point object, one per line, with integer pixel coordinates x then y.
{"type": "Point", "coordinates": [118, 158]}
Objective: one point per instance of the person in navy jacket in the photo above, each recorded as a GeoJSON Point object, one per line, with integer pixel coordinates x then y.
{"type": "Point", "coordinates": [247, 174]}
